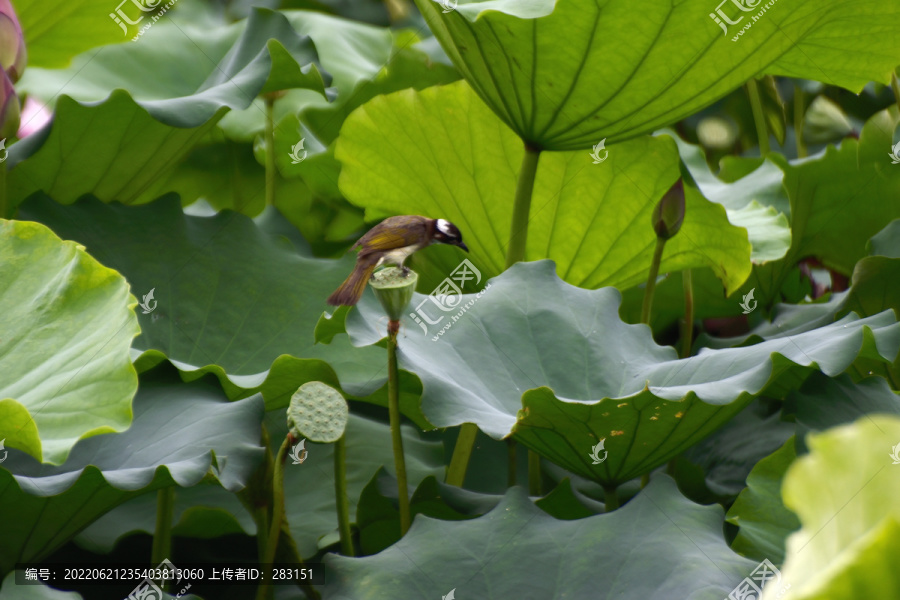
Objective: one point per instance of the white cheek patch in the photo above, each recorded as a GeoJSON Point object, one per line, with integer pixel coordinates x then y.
{"type": "Point", "coordinates": [444, 226]}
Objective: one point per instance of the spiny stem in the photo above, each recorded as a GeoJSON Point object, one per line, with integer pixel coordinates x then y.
{"type": "Point", "coordinates": [687, 333]}
{"type": "Point", "coordinates": [162, 536]}
{"type": "Point", "coordinates": [394, 410]}
{"type": "Point", "coordinates": [340, 493]}
{"type": "Point", "coordinates": [651, 280]}
{"type": "Point", "coordinates": [759, 117]}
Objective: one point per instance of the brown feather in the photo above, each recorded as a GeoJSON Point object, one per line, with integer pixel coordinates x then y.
{"type": "Point", "coordinates": [353, 287]}
{"type": "Point", "coordinates": [393, 233]}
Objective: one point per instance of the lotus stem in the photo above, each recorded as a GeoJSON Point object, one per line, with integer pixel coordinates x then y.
{"type": "Point", "coordinates": [895, 85]}
{"type": "Point", "coordinates": [651, 280]}
{"type": "Point", "coordinates": [759, 117]}
{"type": "Point", "coordinates": [511, 462]}
{"type": "Point", "coordinates": [3, 192]}
{"type": "Point", "coordinates": [611, 496]}
{"type": "Point", "coordinates": [162, 536]}
{"type": "Point", "coordinates": [798, 121]}
{"type": "Point", "coordinates": [397, 438]}
{"type": "Point", "coordinates": [277, 515]}
{"type": "Point", "coordinates": [270, 149]}
{"type": "Point", "coordinates": [462, 452]}
{"type": "Point", "coordinates": [534, 473]}
{"type": "Point", "coordinates": [340, 493]}
{"type": "Point", "coordinates": [518, 233]}
{"type": "Point", "coordinates": [687, 333]}
{"type": "Point", "coordinates": [645, 479]}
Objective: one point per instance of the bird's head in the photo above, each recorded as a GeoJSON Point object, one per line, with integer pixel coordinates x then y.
{"type": "Point", "coordinates": [446, 232]}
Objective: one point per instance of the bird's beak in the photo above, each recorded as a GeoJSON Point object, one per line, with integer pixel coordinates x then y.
{"type": "Point", "coordinates": [463, 246]}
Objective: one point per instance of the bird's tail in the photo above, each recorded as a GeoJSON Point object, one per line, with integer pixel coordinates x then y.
{"type": "Point", "coordinates": [353, 287]}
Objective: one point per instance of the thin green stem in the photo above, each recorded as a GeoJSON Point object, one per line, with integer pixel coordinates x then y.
{"type": "Point", "coordinates": [162, 536]}
{"type": "Point", "coordinates": [394, 410]}
{"type": "Point", "coordinates": [534, 473]}
{"type": "Point", "coordinates": [277, 515]}
{"type": "Point", "coordinates": [895, 85]}
{"type": "Point", "coordinates": [651, 280]}
{"type": "Point", "coordinates": [611, 496]}
{"type": "Point", "coordinates": [798, 121]}
{"type": "Point", "coordinates": [645, 479]}
{"type": "Point", "coordinates": [270, 150]}
{"type": "Point", "coordinates": [462, 452]}
{"type": "Point", "coordinates": [518, 233]}
{"type": "Point", "coordinates": [2, 190]}
{"type": "Point", "coordinates": [759, 117]}
{"type": "Point", "coordinates": [511, 462]}
{"type": "Point", "coordinates": [687, 334]}
{"type": "Point", "coordinates": [340, 494]}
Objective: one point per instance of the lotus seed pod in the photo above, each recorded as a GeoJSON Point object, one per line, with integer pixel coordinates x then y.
{"type": "Point", "coordinates": [318, 413]}
{"type": "Point", "coordinates": [394, 290]}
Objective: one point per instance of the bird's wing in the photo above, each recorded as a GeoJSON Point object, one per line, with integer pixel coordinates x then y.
{"type": "Point", "coordinates": [392, 233]}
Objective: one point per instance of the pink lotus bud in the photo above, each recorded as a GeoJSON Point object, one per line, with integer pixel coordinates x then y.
{"type": "Point", "coordinates": [12, 43]}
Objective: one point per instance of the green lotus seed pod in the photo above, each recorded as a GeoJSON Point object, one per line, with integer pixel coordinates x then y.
{"type": "Point", "coordinates": [318, 413]}
{"type": "Point", "coordinates": [394, 290]}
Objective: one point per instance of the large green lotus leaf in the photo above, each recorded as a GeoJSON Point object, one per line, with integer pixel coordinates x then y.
{"type": "Point", "coordinates": [229, 297]}
{"type": "Point", "coordinates": [554, 366]}
{"type": "Point", "coordinates": [750, 201]}
{"type": "Point", "coordinates": [839, 200]}
{"type": "Point", "coordinates": [821, 403]}
{"type": "Point", "coordinates": [519, 551]}
{"type": "Point", "coordinates": [624, 71]}
{"type": "Point", "coordinates": [55, 32]}
{"type": "Point", "coordinates": [143, 139]}
{"type": "Point", "coordinates": [67, 324]}
{"type": "Point", "coordinates": [181, 433]}
{"type": "Point", "coordinates": [442, 153]}
{"type": "Point", "coordinates": [845, 494]}
{"type": "Point", "coordinates": [759, 511]}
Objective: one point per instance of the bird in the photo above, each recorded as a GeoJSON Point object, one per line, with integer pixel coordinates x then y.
{"type": "Point", "coordinates": [391, 242]}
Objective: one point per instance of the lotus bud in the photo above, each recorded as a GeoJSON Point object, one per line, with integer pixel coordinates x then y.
{"type": "Point", "coordinates": [394, 290]}
{"type": "Point", "coordinates": [12, 43]}
{"type": "Point", "coordinates": [9, 108]}
{"type": "Point", "coordinates": [669, 212]}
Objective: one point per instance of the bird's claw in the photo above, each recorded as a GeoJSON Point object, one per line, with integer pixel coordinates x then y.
{"type": "Point", "coordinates": [405, 270]}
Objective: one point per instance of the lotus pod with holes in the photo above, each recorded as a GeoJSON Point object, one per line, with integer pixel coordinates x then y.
{"type": "Point", "coordinates": [318, 413]}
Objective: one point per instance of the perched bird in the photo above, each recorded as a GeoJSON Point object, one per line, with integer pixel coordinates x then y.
{"type": "Point", "coordinates": [391, 242]}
